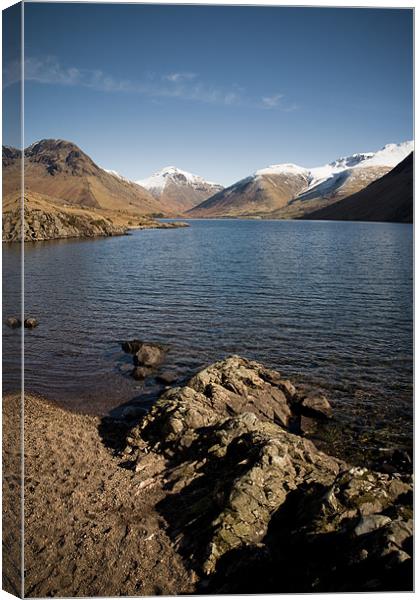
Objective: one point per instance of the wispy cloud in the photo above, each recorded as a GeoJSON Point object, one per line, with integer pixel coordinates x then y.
{"type": "Point", "coordinates": [176, 77]}
{"type": "Point", "coordinates": [184, 85]}
{"type": "Point", "coordinates": [277, 101]}
{"type": "Point", "coordinates": [272, 101]}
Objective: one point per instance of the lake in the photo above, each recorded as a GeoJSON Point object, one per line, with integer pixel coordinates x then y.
{"type": "Point", "coordinates": [328, 303]}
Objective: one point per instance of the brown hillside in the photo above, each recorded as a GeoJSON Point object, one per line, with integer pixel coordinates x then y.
{"type": "Point", "coordinates": [63, 172]}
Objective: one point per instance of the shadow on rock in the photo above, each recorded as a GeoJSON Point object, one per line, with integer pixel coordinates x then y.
{"type": "Point", "coordinates": [254, 508]}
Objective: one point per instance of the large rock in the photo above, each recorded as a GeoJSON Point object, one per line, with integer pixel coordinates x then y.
{"type": "Point", "coordinates": [315, 404]}
{"type": "Point", "coordinates": [149, 355]}
{"type": "Point", "coordinates": [237, 385]}
{"type": "Point", "coordinates": [256, 508]}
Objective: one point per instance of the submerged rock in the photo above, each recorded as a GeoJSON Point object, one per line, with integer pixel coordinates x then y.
{"type": "Point", "coordinates": [30, 323]}
{"type": "Point", "coordinates": [13, 322]}
{"type": "Point", "coordinates": [146, 358]}
{"type": "Point", "coordinates": [167, 377]}
{"type": "Point", "coordinates": [255, 507]}
{"type": "Point", "coordinates": [141, 373]}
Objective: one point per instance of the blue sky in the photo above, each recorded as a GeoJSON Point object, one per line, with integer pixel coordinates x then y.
{"type": "Point", "coordinates": [219, 91]}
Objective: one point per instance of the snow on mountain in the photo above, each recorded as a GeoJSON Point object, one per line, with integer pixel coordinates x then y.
{"type": "Point", "coordinates": [178, 189]}
{"type": "Point", "coordinates": [283, 169]}
{"type": "Point", "coordinates": [288, 190]}
{"type": "Point", "coordinates": [389, 156]}
{"type": "Point", "coordinates": [161, 178]}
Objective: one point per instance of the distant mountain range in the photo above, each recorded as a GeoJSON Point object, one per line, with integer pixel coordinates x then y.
{"type": "Point", "coordinates": [291, 191]}
{"type": "Point", "coordinates": [389, 198]}
{"type": "Point", "coordinates": [61, 174]}
{"type": "Point", "coordinates": [179, 190]}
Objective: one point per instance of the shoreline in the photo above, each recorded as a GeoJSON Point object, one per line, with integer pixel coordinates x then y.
{"type": "Point", "coordinates": [103, 490]}
{"type": "Point", "coordinates": [110, 233]}
{"type": "Point", "coordinates": [46, 219]}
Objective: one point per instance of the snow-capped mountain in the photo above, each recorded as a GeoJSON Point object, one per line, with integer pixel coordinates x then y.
{"type": "Point", "coordinates": [289, 190]}
{"type": "Point", "coordinates": [177, 189]}
{"type": "Point", "coordinates": [389, 198]}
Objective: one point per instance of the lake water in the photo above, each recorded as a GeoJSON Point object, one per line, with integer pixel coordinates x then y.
{"type": "Point", "coordinates": [324, 302]}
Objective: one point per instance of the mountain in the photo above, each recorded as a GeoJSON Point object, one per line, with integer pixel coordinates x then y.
{"type": "Point", "coordinates": [389, 198]}
{"type": "Point", "coordinates": [290, 191]}
{"type": "Point", "coordinates": [63, 172]}
{"type": "Point", "coordinates": [259, 194]}
{"type": "Point", "coordinates": [179, 190]}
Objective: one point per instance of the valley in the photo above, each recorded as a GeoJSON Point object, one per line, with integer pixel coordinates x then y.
{"type": "Point", "coordinates": [68, 195]}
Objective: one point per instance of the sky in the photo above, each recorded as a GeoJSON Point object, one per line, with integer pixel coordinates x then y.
{"type": "Point", "coordinates": [218, 91]}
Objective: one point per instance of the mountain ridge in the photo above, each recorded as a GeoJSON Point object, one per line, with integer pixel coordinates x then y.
{"type": "Point", "coordinates": [61, 170]}
{"type": "Point", "coordinates": [289, 190]}
{"type": "Point", "coordinates": [389, 199]}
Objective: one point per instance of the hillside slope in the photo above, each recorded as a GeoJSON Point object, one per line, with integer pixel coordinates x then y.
{"type": "Point", "coordinates": [390, 198]}
{"type": "Point", "coordinates": [62, 171]}
{"type": "Point", "coordinates": [262, 193]}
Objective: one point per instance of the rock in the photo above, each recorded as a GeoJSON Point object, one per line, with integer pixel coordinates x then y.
{"type": "Point", "coordinates": [132, 346]}
{"type": "Point", "coordinates": [257, 508]}
{"type": "Point", "coordinates": [316, 405]}
{"type": "Point", "coordinates": [141, 373]}
{"type": "Point", "coordinates": [13, 322]}
{"type": "Point", "coordinates": [307, 425]}
{"type": "Point", "coordinates": [237, 385]}
{"type": "Point", "coordinates": [370, 523]}
{"type": "Point", "coordinates": [52, 222]}
{"type": "Point", "coordinates": [149, 355]}
{"type": "Point", "coordinates": [167, 377]}
{"type": "Point", "coordinates": [288, 389]}
{"type": "Point", "coordinates": [30, 323]}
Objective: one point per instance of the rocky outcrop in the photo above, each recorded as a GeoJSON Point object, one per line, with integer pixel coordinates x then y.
{"type": "Point", "coordinates": [53, 222]}
{"type": "Point", "coordinates": [41, 225]}
{"type": "Point", "coordinates": [254, 506]}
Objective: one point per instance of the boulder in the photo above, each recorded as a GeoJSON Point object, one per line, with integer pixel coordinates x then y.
{"type": "Point", "coordinates": [149, 355]}
{"type": "Point", "coordinates": [258, 509]}
{"type": "Point", "coordinates": [13, 322]}
{"type": "Point", "coordinates": [236, 385]}
{"type": "Point", "coordinates": [315, 405]}
{"type": "Point", "coordinates": [30, 323]}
